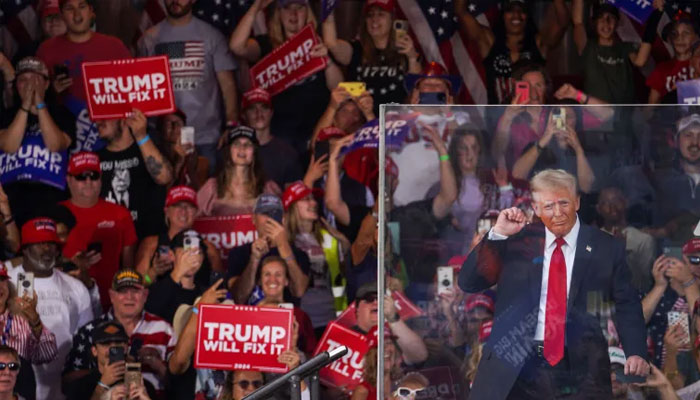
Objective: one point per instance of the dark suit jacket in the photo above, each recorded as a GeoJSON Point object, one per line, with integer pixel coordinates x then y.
{"type": "Point", "coordinates": [600, 287]}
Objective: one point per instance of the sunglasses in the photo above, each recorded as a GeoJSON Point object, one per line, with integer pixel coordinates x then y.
{"type": "Point", "coordinates": [695, 260]}
{"type": "Point", "coordinates": [245, 384]}
{"type": "Point", "coordinates": [93, 176]}
{"type": "Point", "coordinates": [370, 298]}
{"type": "Point", "coordinates": [405, 393]}
{"type": "Point", "coordinates": [13, 366]}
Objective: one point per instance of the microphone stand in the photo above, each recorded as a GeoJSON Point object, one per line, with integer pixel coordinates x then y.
{"type": "Point", "coordinates": [308, 369]}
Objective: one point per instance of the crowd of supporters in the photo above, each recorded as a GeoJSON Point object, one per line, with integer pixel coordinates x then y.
{"type": "Point", "coordinates": [103, 213]}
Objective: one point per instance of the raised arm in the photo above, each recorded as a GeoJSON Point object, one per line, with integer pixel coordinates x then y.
{"type": "Point", "coordinates": [554, 27]}
{"type": "Point", "coordinates": [640, 58]}
{"type": "Point", "coordinates": [411, 344]}
{"type": "Point", "coordinates": [228, 92]}
{"type": "Point", "coordinates": [332, 197]}
{"type": "Point", "coordinates": [448, 183]}
{"type": "Point", "coordinates": [481, 35]}
{"type": "Point", "coordinates": [158, 167]}
{"type": "Point", "coordinates": [577, 17]}
{"type": "Point", "coordinates": [341, 49]}
{"type": "Point", "coordinates": [241, 43]}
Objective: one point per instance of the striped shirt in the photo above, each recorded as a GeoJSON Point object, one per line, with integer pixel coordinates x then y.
{"type": "Point", "coordinates": [151, 331]}
{"type": "Point", "coordinates": [21, 338]}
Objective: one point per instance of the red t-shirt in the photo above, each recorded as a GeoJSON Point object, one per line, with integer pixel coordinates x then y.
{"type": "Point", "coordinates": [664, 77]}
{"type": "Point", "coordinates": [59, 50]}
{"type": "Point", "coordinates": [112, 226]}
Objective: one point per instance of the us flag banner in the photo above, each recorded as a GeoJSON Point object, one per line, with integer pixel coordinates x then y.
{"type": "Point", "coordinates": [19, 25]}
{"type": "Point", "coordinates": [186, 62]}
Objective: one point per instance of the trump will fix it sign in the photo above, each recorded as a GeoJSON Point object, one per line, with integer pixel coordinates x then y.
{"type": "Point", "coordinates": [115, 88]}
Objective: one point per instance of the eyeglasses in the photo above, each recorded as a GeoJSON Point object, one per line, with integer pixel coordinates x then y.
{"type": "Point", "coordinates": [370, 298]}
{"type": "Point", "coordinates": [245, 384]}
{"type": "Point", "coordinates": [695, 260]}
{"type": "Point", "coordinates": [406, 393]}
{"type": "Point", "coordinates": [92, 175]}
{"type": "Point", "coordinates": [13, 366]}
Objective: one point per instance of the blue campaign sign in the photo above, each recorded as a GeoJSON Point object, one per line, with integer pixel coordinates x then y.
{"type": "Point", "coordinates": [367, 137]}
{"type": "Point", "coordinates": [689, 92]}
{"type": "Point", "coordinates": [86, 135]}
{"type": "Point", "coordinates": [327, 7]}
{"type": "Point", "coordinates": [34, 162]}
{"type": "Point", "coordinates": [639, 10]}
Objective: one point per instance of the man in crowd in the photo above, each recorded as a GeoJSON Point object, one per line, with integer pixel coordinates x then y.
{"type": "Point", "coordinates": [151, 338]}
{"type": "Point", "coordinates": [106, 228]}
{"type": "Point", "coordinates": [279, 159]}
{"type": "Point", "coordinates": [63, 301]}
{"type": "Point", "coordinates": [412, 346]}
{"type": "Point", "coordinates": [243, 261]}
{"type": "Point", "coordinates": [200, 63]}
{"type": "Point", "coordinates": [35, 136]}
{"type": "Point", "coordinates": [135, 172]}
{"type": "Point", "coordinates": [80, 44]}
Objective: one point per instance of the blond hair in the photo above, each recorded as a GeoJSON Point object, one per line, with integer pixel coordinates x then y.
{"type": "Point", "coordinates": [275, 30]}
{"type": "Point", "coordinates": [552, 179]}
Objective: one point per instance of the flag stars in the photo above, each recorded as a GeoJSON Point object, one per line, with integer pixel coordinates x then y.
{"type": "Point", "coordinates": [444, 14]}
{"type": "Point", "coordinates": [472, 8]}
{"type": "Point", "coordinates": [215, 17]}
{"type": "Point", "coordinates": [440, 31]}
{"type": "Point", "coordinates": [432, 10]}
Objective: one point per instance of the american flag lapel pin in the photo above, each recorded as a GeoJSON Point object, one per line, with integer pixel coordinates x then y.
{"type": "Point", "coordinates": [588, 249]}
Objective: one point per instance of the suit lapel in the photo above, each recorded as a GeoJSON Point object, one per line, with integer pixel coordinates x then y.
{"type": "Point", "coordinates": [583, 255]}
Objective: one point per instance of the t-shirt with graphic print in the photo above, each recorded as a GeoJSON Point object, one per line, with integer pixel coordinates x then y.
{"type": "Point", "coordinates": [664, 77]}
{"type": "Point", "coordinates": [384, 80]}
{"type": "Point", "coordinates": [126, 181]}
{"type": "Point", "coordinates": [197, 51]}
{"type": "Point", "coordinates": [607, 72]}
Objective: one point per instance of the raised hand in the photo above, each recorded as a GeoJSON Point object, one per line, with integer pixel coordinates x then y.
{"type": "Point", "coordinates": [510, 221]}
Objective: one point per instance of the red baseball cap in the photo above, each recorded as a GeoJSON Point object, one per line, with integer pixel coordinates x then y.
{"type": "Point", "coordinates": [386, 5]}
{"type": "Point", "coordinates": [39, 230]}
{"type": "Point", "coordinates": [50, 7]}
{"type": "Point", "coordinates": [177, 194]}
{"type": "Point", "coordinates": [294, 192]}
{"type": "Point", "coordinates": [485, 331]}
{"type": "Point", "coordinates": [257, 95]}
{"type": "Point", "coordinates": [82, 162]}
{"type": "Point", "coordinates": [478, 300]}
{"type": "Point", "coordinates": [433, 70]}
{"type": "Point", "coordinates": [330, 132]}
{"type": "Point", "coordinates": [691, 246]}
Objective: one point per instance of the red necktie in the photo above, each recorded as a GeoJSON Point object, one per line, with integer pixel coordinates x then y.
{"type": "Point", "coordinates": [555, 316]}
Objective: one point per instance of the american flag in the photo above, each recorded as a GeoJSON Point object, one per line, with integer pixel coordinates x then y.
{"type": "Point", "coordinates": [19, 24]}
{"type": "Point", "coordinates": [186, 58]}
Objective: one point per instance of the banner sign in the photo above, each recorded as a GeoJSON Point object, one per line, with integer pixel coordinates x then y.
{"type": "Point", "coordinates": [233, 337]}
{"type": "Point", "coordinates": [638, 10]}
{"type": "Point", "coordinates": [404, 307]}
{"type": "Point", "coordinates": [367, 137]}
{"type": "Point", "coordinates": [114, 88]}
{"type": "Point", "coordinates": [327, 7]}
{"type": "Point", "coordinates": [346, 372]}
{"type": "Point", "coordinates": [226, 232]}
{"type": "Point", "coordinates": [34, 162]}
{"type": "Point", "coordinates": [348, 318]}
{"type": "Point", "coordinates": [289, 63]}
{"type": "Point", "coordinates": [689, 92]}
{"type": "Point", "coordinates": [441, 386]}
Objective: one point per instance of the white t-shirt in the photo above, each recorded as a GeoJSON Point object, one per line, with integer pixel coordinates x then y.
{"type": "Point", "coordinates": [64, 306]}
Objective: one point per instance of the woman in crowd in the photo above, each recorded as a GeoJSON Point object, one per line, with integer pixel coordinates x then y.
{"type": "Point", "coordinates": [607, 61]}
{"type": "Point", "coordinates": [154, 259]}
{"type": "Point", "coordinates": [9, 234]}
{"type": "Point", "coordinates": [681, 34]}
{"type": "Point", "coordinates": [10, 362]}
{"type": "Point", "coordinates": [513, 38]}
{"type": "Point", "coordinates": [241, 383]}
{"type": "Point", "coordinates": [188, 167]}
{"type": "Point", "coordinates": [273, 277]}
{"type": "Point", "coordinates": [380, 57]}
{"type": "Point", "coordinates": [240, 179]}
{"type": "Point", "coordinates": [367, 390]}
{"type": "Point", "coordinates": [298, 107]}
{"type": "Point", "coordinates": [564, 152]}
{"type": "Point", "coordinates": [310, 234]}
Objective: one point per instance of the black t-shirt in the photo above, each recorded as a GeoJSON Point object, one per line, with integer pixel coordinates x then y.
{"type": "Point", "coordinates": [298, 107]}
{"type": "Point", "coordinates": [30, 198]}
{"type": "Point", "coordinates": [498, 66]}
{"type": "Point", "coordinates": [280, 162]}
{"type": "Point", "coordinates": [384, 80]}
{"type": "Point", "coordinates": [239, 256]}
{"type": "Point", "coordinates": [126, 181]}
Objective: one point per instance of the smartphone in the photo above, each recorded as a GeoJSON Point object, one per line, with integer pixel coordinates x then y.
{"type": "Point", "coordinates": [116, 354]}
{"type": "Point", "coordinates": [163, 251]}
{"type": "Point", "coordinates": [25, 284]}
{"type": "Point", "coordinates": [132, 375]}
{"type": "Point", "coordinates": [354, 88]}
{"type": "Point", "coordinates": [60, 69]}
{"type": "Point", "coordinates": [445, 279]}
{"type": "Point", "coordinates": [288, 306]}
{"type": "Point", "coordinates": [622, 378]}
{"type": "Point", "coordinates": [321, 149]}
{"type": "Point", "coordinates": [432, 98]}
{"type": "Point", "coordinates": [559, 116]}
{"type": "Point", "coordinates": [135, 348]}
{"type": "Point", "coordinates": [522, 91]}
{"type": "Point", "coordinates": [187, 136]}
{"type": "Point", "coordinates": [95, 246]}
{"type": "Point", "coordinates": [696, 232]}
{"type": "Point", "coordinates": [400, 28]}
{"type": "Point", "coordinates": [677, 317]}
{"type": "Point", "coordinates": [673, 251]}
{"type": "Point", "coordinates": [191, 242]}
{"type": "Point", "coordinates": [484, 225]}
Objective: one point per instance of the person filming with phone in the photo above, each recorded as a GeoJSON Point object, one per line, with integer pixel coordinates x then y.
{"type": "Point", "coordinates": [547, 274]}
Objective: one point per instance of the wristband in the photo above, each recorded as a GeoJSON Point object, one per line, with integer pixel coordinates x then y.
{"type": "Point", "coordinates": [195, 310]}
{"type": "Point", "coordinates": [538, 147]}
{"type": "Point", "coordinates": [147, 279]}
{"type": "Point", "coordinates": [103, 385]}
{"type": "Point", "coordinates": [579, 97]}
{"type": "Point", "coordinates": [40, 106]}
{"type": "Point", "coordinates": [506, 188]}
{"type": "Point", "coordinates": [143, 141]}
{"type": "Point", "coordinates": [445, 157]}
{"type": "Point", "coordinates": [8, 220]}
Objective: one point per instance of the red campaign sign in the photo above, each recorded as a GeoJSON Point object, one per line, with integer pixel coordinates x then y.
{"type": "Point", "coordinates": [115, 87]}
{"type": "Point", "coordinates": [348, 318]}
{"type": "Point", "coordinates": [289, 63]}
{"type": "Point", "coordinates": [404, 307]}
{"type": "Point", "coordinates": [345, 372]}
{"type": "Point", "coordinates": [235, 337]}
{"type": "Point", "coordinates": [226, 232]}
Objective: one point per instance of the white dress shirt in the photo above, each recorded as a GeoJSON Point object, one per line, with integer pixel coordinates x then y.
{"type": "Point", "coordinates": [569, 250]}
